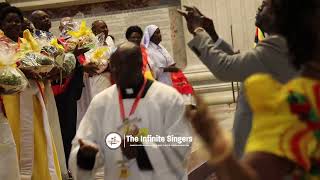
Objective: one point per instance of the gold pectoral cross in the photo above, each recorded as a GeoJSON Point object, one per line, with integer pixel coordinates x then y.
{"type": "Point", "coordinates": [128, 125]}
{"type": "Point", "coordinates": [124, 172]}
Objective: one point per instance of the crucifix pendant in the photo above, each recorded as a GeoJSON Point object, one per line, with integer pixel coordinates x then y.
{"type": "Point", "coordinates": [129, 126]}
{"type": "Point", "coordinates": [124, 172]}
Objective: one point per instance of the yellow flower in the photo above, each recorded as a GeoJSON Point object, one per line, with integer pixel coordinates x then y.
{"type": "Point", "coordinates": [99, 54]}
{"type": "Point", "coordinates": [28, 43]}
{"type": "Point", "coordinates": [83, 31]}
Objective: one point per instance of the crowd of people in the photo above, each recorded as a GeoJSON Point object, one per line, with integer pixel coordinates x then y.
{"type": "Point", "coordinates": [56, 126]}
{"type": "Point", "coordinates": [44, 117]}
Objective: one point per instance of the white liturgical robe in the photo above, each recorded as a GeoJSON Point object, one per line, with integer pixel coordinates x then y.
{"type": "Point", "coordinates": [9, 163]}
{"type": "Point", "coordinates": [162, 112]}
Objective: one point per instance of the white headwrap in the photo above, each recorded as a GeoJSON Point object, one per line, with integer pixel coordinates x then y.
{"type": "Point", "coordinates": [148, 33]}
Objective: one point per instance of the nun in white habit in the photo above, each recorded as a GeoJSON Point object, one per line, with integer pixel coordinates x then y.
{"type": "Point", "coordinates": [162, 64]}
{"type": "Point", "coordinates": [161, 61]}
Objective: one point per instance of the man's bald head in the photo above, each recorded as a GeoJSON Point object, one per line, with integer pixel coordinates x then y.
{"type": "Point", "coordinates": [41, 20]}
{"type": "Point", "coordinates": [99, 27]}
{"type": "Point", "coordinates": [66, 23]}
{"type": "Point", "coordinates": [66, 20]}
{"type": "Point", "coordinates": [126, 65]}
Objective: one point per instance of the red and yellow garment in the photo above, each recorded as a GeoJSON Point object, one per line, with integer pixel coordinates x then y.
{"type": "Point", "coordinates": [259, 36]}
{"type": "Point", "coordinates": [286, 120]}
{"type": "Point", "coordinates": [146, 69]}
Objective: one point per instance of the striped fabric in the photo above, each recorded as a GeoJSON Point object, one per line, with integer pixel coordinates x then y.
{"type": "Point", "coordinates": [259, 36]}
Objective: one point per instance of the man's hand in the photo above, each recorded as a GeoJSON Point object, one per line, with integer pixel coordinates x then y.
{"type": "Point", "coordinates": [87, 149]}
{"type": "Point", "coordinates": [193, 17]}
{"type": "Point", "coordinates": [207, 127]}
{"type": "Point", "coordinates": [91, 69]}
{"type": "Point", "coordinates": [196, 19]}
{"type": "Point", "coordinates": [86, 155]}
{"type": "Point", "coordinates": [77, 51]}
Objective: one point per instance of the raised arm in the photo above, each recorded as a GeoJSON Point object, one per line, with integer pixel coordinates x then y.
{"type": "Point", "coordinates": [86, 155]}
{"type": "Point", "coordinates": [218, 55]}
{"type": "Point", "coordinates": [226, 67]}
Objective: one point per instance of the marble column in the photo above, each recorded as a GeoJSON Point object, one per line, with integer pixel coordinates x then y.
{"type": "Point", "coordinates": [234, 22]}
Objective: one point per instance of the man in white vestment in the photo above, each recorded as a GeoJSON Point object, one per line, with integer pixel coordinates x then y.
{"type": "Point", "coordinates": [93, 85]}
{"type": "Point", "coordinates": [141, 106]}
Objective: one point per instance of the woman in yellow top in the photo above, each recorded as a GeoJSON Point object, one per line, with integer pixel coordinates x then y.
{"type": "Point", "coordinates": [285, 139]}
{"type": "Point", "coordinates": [28, 117]}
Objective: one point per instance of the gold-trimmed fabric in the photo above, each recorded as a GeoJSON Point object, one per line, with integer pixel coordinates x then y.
{"type": "Point", "coordinates": [41, 162]}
